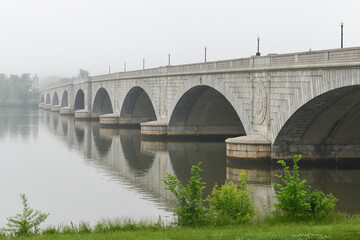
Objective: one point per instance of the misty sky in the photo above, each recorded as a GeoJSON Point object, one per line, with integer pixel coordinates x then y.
{"type": "Point", "coordinates": [58, 37]}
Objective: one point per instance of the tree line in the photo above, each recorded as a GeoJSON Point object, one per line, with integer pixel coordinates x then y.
{"type": "Point", "coordinates": [17, 90]}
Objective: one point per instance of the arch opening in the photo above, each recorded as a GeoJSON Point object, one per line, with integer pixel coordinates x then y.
{"type": "Point", "coordinates": [325, 127]}
{"type": "Point", "coordinates": [55, 101]}
{"type": "Point", "coordinates": [137, 108]}
{"type": "Point", "coordinates": [42, 99]}
{"type": "Point", "coordinates": [79, 100]}
{"type": "Point", "coordinates": [48, 101]}
{"type": "Point", "coordinates": [65, 99]}
{"type": "Point", "coordinates": [203, 112]}
{"type": "Point", "coordinates": [102, 102]}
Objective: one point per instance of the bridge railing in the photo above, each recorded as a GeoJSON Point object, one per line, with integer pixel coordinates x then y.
{"type": "Point", "coordinates": [271, 60]}
{"type": "Point", "coordinates": [62, 84]}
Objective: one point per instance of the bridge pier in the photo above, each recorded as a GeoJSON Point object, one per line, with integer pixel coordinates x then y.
{"type": "Point", "coordinates": [55, 108]}
{"type": "Point", "coordinates": [83, 115]}
{"type": "Point", "coordinates": [66, 111]}
{"type": "Point", "coordinates": [41, 105]}
{"type": "Point", "coordinates": [252, 147]}
{"type": "Point", "coordinates": [154, 130]}
{"type": "Point", "coordinates": [110, 120]}
{"type": "Point", "coordinates": [47, 107]}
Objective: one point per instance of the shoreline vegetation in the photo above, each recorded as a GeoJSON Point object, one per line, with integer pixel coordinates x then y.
{"type": "Point", "coordinates": [19, 91]}
{"type": "Point", "coordinates": [338, 226]}
{"type": "Point", "coordinates": [299, 214]}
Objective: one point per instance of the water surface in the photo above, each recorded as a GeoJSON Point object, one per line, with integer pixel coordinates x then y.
{"type": "Point", "coordinates": [78, 171]}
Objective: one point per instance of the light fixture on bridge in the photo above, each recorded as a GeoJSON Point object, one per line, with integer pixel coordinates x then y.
{"type": "Point", "coordinates": [205, 53]}
{"type": "Point", "coordinates": [258, 45]}
{"type": "Point", "coordinates": [342, 34]}
{"type": "Point", "coordinates": [124, 67]}
{"type": "Point", "coordinates": [169, 59]}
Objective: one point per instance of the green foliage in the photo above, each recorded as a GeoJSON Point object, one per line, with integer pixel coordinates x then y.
{"type": "Point", "coordinates": [295, 200]}
{"type": "Point", "coordinates": [190, 204]}
{"type": "Point", "coordinates": [15, 89]}
{"type": "Point", "coordinates": [233, 202]}
{"type": "Point", "coordinates": [322, 205]}
{"type": "Point", "coordinates": [27, 222]}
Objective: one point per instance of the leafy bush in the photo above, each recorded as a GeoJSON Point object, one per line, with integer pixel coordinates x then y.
{"type": "Point", "coordinates": [190, 204]}
{"type": "Point", "coordinates": [26, 223]}
{"type": "Point", "coordinates": [321, 204]}
{"type": "Point", "coordinates": [295, 200]}
{"type": "Point", "coordinates": [232, 202]}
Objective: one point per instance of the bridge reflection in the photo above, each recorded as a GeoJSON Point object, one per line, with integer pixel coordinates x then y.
{"type": "Point", "coordinates": [122, 155]}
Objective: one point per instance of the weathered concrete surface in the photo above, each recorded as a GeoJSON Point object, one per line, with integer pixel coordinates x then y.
{"type": "Point", "coordinates": [55, 108]}
{"type": "Point", "coordinates": [82, 115]}
{"type": "Point", "coordinates": [47, 107]}
{"type": "Point", "coordinates": [305, 102]}
{"type": "Point", "coordinates": [109, 120]}
{"type": "Point", "coordinates": [154, 129]}
{"type": "Point", "coordinates": [248, 147]}
{"type": "Point", "coordinates": [67, 111]}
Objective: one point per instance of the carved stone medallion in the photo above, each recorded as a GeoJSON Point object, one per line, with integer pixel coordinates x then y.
{"type": "Point", "coordinates": [260, 102]}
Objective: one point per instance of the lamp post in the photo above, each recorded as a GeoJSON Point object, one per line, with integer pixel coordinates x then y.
{"type": "Point", "coordinates": [143, 63]}
{"type": "Point", "coordinates": [169, 59]}
{"type": "Point", "coordinates": [342, 34]}
{"type": "Point", "coordinates": [205, 53]}
{"type": "Point", "coordinates": [124, 67]}
{"type": "Point", "coordinates": [258, 46]}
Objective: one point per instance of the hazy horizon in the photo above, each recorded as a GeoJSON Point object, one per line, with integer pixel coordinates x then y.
{"type": "Point", "coordinates": [59, 37]}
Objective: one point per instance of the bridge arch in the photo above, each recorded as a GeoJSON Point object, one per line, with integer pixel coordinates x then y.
{"type": "Point", "coordinates": [203, 110]}
{"type": "Point", "coordinates": [48, 100]}
{"type": "Point", "coordinates": [79, 100]}
{"type": "Point", "coordinates": [42, 99]}
{"type": "Point", "coordinates": [137, 107]}
{"type": "Point", "coordinates": [55, 100]}
{"type": "Point", "coordinates": [65, 99]}
{"type": "Point", "coordinates": [325, 123]}
{"type": "Point", "coordinates": [102, 103]}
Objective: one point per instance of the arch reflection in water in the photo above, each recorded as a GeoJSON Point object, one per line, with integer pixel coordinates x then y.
{"type": "Point", "coordinates": [343, 183]}
{"type": "Point", "coordinates": [139, 161]}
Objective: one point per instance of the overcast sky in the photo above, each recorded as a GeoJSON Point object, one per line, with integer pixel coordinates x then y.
{"type": "Point", "coordinates": [61, 36]}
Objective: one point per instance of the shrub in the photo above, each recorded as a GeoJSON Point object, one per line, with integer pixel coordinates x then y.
{"type": "Point", "coordinates": [321, 204]}
{"type": "Point", "coordinates": [26, 223]}
{"type": "Point", "coordinates": [295, 200]}
{"type": "Point", "coordinates": [232, 202]}
{"type": "Point", "coordinates": [190, 204]}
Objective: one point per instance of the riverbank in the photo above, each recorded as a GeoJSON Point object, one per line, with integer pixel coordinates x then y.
{"type": "Point", "coordinates": [340, 227]}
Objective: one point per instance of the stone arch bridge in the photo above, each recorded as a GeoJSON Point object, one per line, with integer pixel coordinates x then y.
{"type": "Point", "coordinates": [272, 106]}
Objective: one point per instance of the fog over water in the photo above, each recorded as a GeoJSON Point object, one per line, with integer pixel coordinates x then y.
{"type": "Point", "coordinates": [60, 37]}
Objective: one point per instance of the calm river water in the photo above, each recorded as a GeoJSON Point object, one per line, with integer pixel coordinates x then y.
{"type": "Point", "coordinates": [79, 172]}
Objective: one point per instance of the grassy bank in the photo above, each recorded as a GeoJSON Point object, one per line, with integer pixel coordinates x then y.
{"type": "Point", "coordinates": [338, 228]}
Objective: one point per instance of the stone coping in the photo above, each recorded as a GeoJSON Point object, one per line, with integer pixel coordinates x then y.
{"type": "Point", "coordinates": [110, 115]}
{"type": "Point", "coordinates": [250, 139]}
{"type": "Point", "coordinates": [154, 123]}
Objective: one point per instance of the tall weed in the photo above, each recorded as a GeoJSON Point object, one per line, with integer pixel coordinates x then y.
{"type": "Point", "coordinates": [190, 203]}
{"type": "Point", "coordinates": [233, 202]}
{"type": "Point", "coordinates": [295, 201]}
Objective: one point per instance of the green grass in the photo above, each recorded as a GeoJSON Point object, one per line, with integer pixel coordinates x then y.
{"type": "Point", "coordinates": [339, 227]}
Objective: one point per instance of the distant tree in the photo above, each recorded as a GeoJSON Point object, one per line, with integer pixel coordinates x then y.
{"type": "Point", "coordinates": [83, 73]}
{"type": "Point", "coordinates": [4, 88]}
